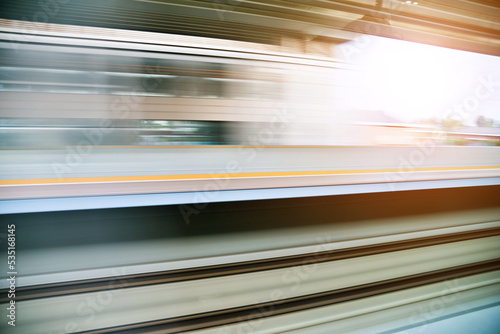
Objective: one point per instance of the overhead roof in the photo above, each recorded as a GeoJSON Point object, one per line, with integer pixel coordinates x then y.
{"type": "Point", "coordinates": [472, 25]}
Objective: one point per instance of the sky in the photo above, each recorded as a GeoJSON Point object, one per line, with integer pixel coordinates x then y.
{"type": "Point", "coordinates": [414, 81]}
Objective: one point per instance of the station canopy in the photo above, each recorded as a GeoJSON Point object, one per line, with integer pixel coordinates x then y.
{"type": "Point", "coordinates": [470, 25]}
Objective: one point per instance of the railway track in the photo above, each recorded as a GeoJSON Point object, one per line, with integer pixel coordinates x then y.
{"type": "Point", "coordinates": [231, 294]}
{"type": "Point", "coordinates": [183, 275]}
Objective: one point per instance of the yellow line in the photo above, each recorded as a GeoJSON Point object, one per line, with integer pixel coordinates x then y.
{"type": "Point", "coordinates": [229, 175]}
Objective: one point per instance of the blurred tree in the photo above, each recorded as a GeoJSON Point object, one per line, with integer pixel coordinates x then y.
{"type": "Point", "coordinates": [484, 122]}
{"type": "Point", "coordinates": [450, 124]}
